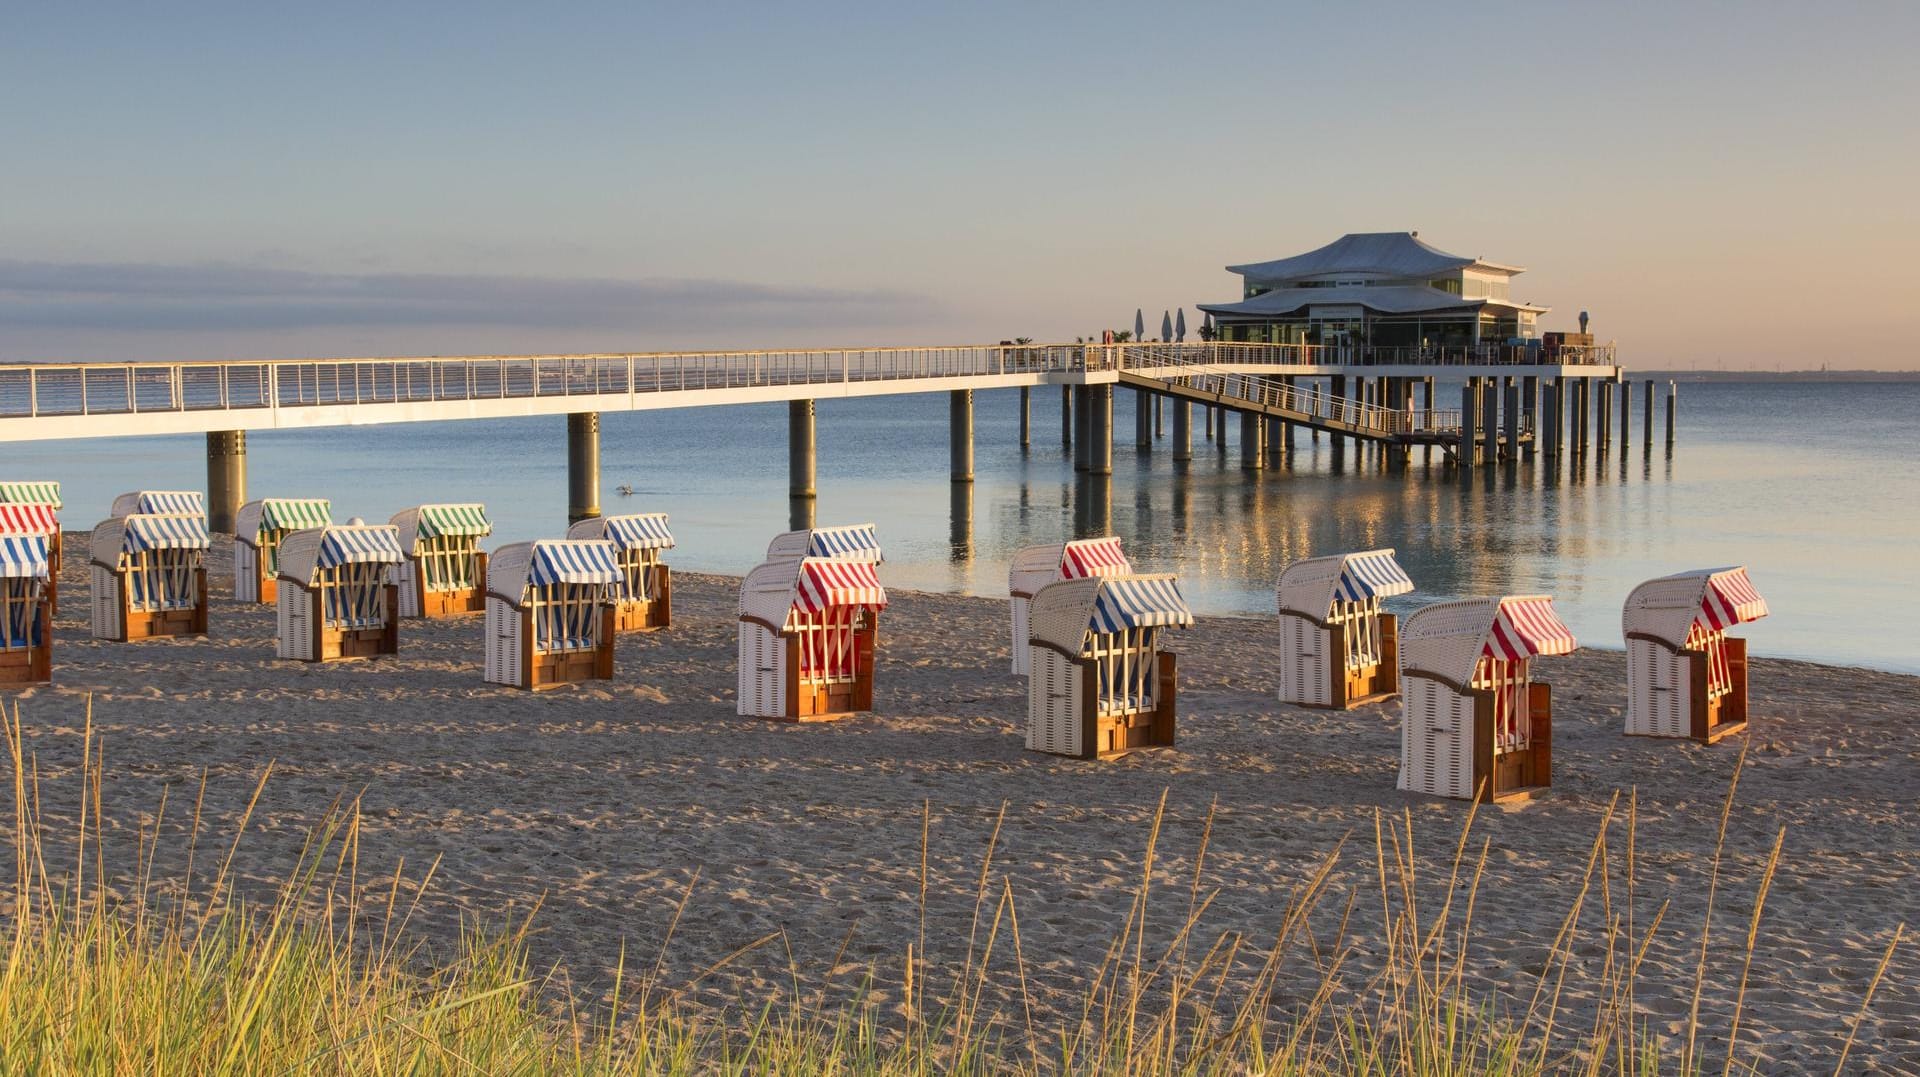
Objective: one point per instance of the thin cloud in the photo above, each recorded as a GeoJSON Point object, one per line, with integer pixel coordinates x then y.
{"type": "Point", "coordinates": [136, 296]}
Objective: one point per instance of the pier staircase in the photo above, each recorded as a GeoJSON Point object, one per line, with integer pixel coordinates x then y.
{"type": "Point", "coordinates": [1203, 384]}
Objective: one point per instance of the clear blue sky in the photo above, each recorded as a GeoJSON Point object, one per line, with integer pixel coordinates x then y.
{"type": "Point", "coordinates": [1718, 183]}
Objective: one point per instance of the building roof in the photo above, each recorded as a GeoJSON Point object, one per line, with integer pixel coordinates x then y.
{"type": "Point", "coordinates": [1395, 299]}
{"type": "Point", "coordinates": [1392, 254]}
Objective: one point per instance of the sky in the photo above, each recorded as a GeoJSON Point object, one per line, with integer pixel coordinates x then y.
{"type": "Point", "coordinates": [1720, 185]}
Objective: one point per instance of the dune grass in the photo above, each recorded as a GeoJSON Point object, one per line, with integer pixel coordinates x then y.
{"type": "Point", "coordinates": [111, 971]}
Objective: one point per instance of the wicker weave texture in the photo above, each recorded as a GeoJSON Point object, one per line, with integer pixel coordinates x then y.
{"type": "Point", "coordinates": [1022, 612]}
{"type": "Point", "coordinates": [1436, 739]}
{"type": "Point", "coordinates": [293, 612]}
{"type": "Point", "coordinates": [503, 645]}
{"type": "Point", "coordinates": [1659, 691]}
{"type": "Point", "coordinates": [246, 572]}
{"type": "Point", "coordinates": [1666, 607]}
{"type": "Point", "coordinates": [763, 672]}
{"type": "Point", "coordinates": [1305, 650]}
{"type": "Point", "coordinates": [1055, 710]}
{"type": "Point", "coordinates": [107, 614]}
{"type": "Point", "coordinates": [1447, 637]}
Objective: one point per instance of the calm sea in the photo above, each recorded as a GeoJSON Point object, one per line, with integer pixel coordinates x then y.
{"type": "Point", "coordinates": [1810, 485]}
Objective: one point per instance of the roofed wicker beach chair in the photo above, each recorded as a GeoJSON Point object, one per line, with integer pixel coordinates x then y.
{"type": "Point", "coordinates": [1473, 721]}
{"type": "Point", "coordinates": [643, 599]}
{"type": "Point", "coordinates": [810, 625]}
{"type": "Point", "coordinates": [550, 612]}
{"type": "Point", "coordinates": [1685, 676]}
{"type": "Point", "coordinates": [1337, 648]}
{"type": "Point", "coordinates": [1100, 685]}
{"type": "Point", "coordinates": [149, 576]}
{"type": "Point", "coordinates": [336, 598]}
{"type": "Point", "coordinates": [258, 528]}
{"type": "Point", "coordinates": [26, 610]}
{"type": "Point", "coordinates": [1037, 566]}
{"type": "Point", "coordinates": [445, 573]}
{"type": "Point", "coordinates": [33, 508]}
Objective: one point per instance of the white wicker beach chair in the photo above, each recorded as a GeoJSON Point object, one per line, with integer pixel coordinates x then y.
{"type": "Point", "coordinates": [809, 626]}
{"type": "Point", "coordinates": [149, 576]}
{"type": "Point", "coordinates": [445, 573]}
{"type": "Point", "coordinates": [550, 612]}
{"type": "Point", "coordinates": [335, 597]}
{"type": "Point", "coordinates": [643, 599]}
{"type": "Point", "coordinates": [1685, 676]}
{"type": "Point", "coordinates": [1473, 722]}
{"type": "Point", "coordinates": [1337, 648]}
{"type": "Point", "coordinates": [26, 610]}
{"type": "Point", "coordinates": [258, 528]}
{"type": "Point", "coordinates": [1099, 683]}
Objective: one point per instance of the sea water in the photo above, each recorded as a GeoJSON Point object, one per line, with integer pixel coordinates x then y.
{"type": "Point", "coordinates": [1811, 485]}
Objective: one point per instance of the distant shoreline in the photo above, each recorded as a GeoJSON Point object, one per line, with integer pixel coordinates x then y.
{"type": "Point", "coordinates": [1777, 375]}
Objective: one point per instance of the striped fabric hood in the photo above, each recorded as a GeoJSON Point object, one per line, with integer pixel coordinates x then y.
{"type": "Point", "coordinates": [646, 531]}
{"type": "Point", "coordinates": [23, 557]}
{"type": "Point", "coordinates": [294, 514]}
{"type": "Point", "coordinates": [31, 493]}
{"type": "Point", "coordinates": [164, 531]}
{"type": "Point", "coordinates": [377, 544]}
{"type": "Point", "coordinates": [438, 520]}
{"type": "Point", "coordinates": [573, 561]}
{"type": "Point", "coordinates": [1139, 602]}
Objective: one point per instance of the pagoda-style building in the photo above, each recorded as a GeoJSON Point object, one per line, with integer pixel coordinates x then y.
{"type": "Point", "coordinates": [1384, 289]}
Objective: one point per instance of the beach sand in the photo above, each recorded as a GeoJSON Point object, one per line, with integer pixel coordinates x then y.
{"type": "Point", "coordinates": [601, 803]}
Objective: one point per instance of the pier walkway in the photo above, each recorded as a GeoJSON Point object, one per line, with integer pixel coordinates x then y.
{"type": "Point", "coordinates": [226, 399]}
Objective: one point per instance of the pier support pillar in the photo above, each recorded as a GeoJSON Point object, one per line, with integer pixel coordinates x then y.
{"type": "Point", "coordinates": [1489, 420]}
{"type": "Point", "coordinates": [1673, 400]}
{"type": "Point", "coordinates": [1099, 429]}
{"type": "Point", "coordinates": [1206, 415]}
{"type": "Point", "coordinates": [1082, 424]}
{"type": "Point", "coordinates": [1646, 420]}
{"type": "Point", "coordinates": [1026, 416]}
{"type": "Point", "coordinates": [1270, 439]}
{"type": "Point", "coordinates": [960, 433]}
{"type": "Point", "coordinates": [226, 478]}
{"type": "Point", "coordinates": [1625, 390]}
{"type": "Point", "coordinates": [1511, 405]}
{"type": "Point", "coordinates": [1252, 456]}
{"type": "Point", "coordinates": [1159, 424]}
{"type": "Point", "coordinates": [1465, 454]}
{"type": "Point", "coordinates": [1603, 411]}
{"type": "Point", "coordinates": [801, 463]}
{"type": "Point", "coordinates": [1182, 429]}
{"type": "Point", "coordinates": [1143, 406]}
{"type": "Point", "coordinates": [583, 465]}
{"type": "Point", "coordinates": [1337, 404]}
{"type": "Point", "coordinates": [1066, 416]}
{"type": "Point", "coordinates": [1547, 420]}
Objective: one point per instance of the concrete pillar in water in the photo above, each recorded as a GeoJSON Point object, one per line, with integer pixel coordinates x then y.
{"type": "Point", "coordinates": [1673, 400]}
{"type": "Point", "coordinates": [1099, 429]}
{"type": "Point", "coordinates": [1625, 390]}
{"type": "Point", "coordinates": [1511, 405]}
{"type": "Point", "coordinates": [1066, 416]}
{"type": "Point", "coordinates": [1082, 425]}
{"type": "Point", "coordinates": [1142, 419]}
{"type": "Point", "coordinates": [1646, 421]}
{"type": "Point", "coordinates": [1530, 408]}
{"type": "Point", "coordinates": [1337, 405]}
{"type": "Point", "coordinates": [1159, 425]}
{"type": "Point", "coordinates": [1603, 411]}
{"type": "Point", "coordinates": [226, 478]}
{"type": "Point", "coordinates": [583, 465]}
{"type": "Point", "coordinates": [1287, 429]}
{"type": "Point", "coordinates": [1270, 439]}
{"type": "Point", "coordinates": [1026, 416]}
{"type": "Point", "coordinates": [801, 462]}
{"type": "Point", "coordinates": [1465, 453]}
{"type": "Point", "coordinates": [1252, 458]}
{"type": "Point", "coordinates": [1547, 425]}
{"type": "Point", "coordinates": [1490, 420]}
{"type": "Point", "coordinates": [1206, 415]}
{"type": "Point", "coordinates": [960, 433]}
{"type": "Point", "coordinates": [1182, 429]}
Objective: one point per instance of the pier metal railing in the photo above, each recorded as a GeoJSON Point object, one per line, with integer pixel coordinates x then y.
{"type": "Point", "coordinates": [69, 389]}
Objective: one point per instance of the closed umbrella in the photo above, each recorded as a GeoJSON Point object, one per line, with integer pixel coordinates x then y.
{"type": "Point", "coordinates": [1180, 326]}
{"type": "Point", "coordinates": [1139, 325]}
{"type": "Point", "coordinates": [1166, 326]}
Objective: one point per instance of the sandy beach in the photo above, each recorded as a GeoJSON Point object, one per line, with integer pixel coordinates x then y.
{"type": "Point", "coordinates": [603, 803]}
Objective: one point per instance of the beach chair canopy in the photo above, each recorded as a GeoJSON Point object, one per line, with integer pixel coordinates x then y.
{"type": "Point", "coordinates": [1450, 638]}
{"type": "Point", "coordinates": [433, 521]}
{"type": "Point", "coordinates": [1066, 612]}
{"type": "Point", "coordinates": [31, 493]}
{"type": "Point", "coordinates": [168, 502]}
{"type": "Point", "coordinates": [512, 569]}
{"type": "Point", "coordinates": [854, 541]}
{"type": "Point", "coordinates": [1713, 599]}
{"type": "Point", "coordinates": [640, 531]}
{"type": "Point", "coordinates": [23, 557]}
{"type": "Point", "coordinates": [123, 535]}
{"type": "Point", "coordinates": [1036, 566]}
{"type": "Point", "coordinates": [809, 585]}
{"type": "Point", "coordinates": [29, 518]}
{"type": "Point", "coordinates": [1312, 586]}
{"type": "Point", "coordinates": [305, 554]}
{"type": "Point", "coordinates": [281, 514]}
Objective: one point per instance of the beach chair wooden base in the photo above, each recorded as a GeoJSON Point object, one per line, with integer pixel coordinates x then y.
{"type": "Point", "coordinates": [648, 615]}
{"type": "Point", "coordinates": [1347, 687]}
{"type": "Point", "coordinates": [1063, 708]}
{"type": "Point", "coordinates": [811, 700]}
{"type": "Point", "coordinates": [351, 644]}
{"type": "Point", "coordinates": [1518, 775]}
{"type": "Point", "coordinates": [1449, 738]}
{"type": "Point", "coordinates": [553, 669]}
{"type": "Point", "coordinates": [1707, 718]}
{"type": "Point", "coordinates": [21, 667]}
{"type": "Point", "coordinates": [157, 624]}
{"type": "Point", "coordinates": [455, 603]}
